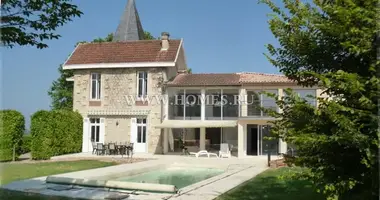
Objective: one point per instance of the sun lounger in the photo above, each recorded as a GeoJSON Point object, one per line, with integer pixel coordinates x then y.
{"type": "Point", "coordinates": [203, 152]}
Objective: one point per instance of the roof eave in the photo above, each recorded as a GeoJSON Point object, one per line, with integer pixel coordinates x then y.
{"type": "Point", "coordinates": [119, 65]}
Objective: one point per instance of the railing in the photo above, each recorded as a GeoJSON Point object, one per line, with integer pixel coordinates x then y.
{"type": "Point", "coordinates": [258, 108]}
{"type": "Point", "coordinates": [213, 112]}
{"type": "Point", "coordinates": [190, 112]}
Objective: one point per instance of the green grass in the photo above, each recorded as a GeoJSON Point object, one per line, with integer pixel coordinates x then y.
{"type": "Point", "coordinates": [19, 171]}
{"type": "Point", "coordinates": [269, 186]}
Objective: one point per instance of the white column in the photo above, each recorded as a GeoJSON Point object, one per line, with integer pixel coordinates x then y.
{"type": "Point", "coordinates": [243, 101]}
{"type": "Point", "coordinates": [242, 131]}
{"type": "Point", "coordinates": [202, 139]}
{"type": "Point", "coordinates": [166, 106]}
{"type": "Point", "coordinates": [203, 104]}
{"type": "Point", "coordinates": [282, 145]}
{"type": "Point", "coordinates": [86, 146]}
{"type": "Point", "coordinates": [171, 139]}
{"type": "Point", "coordinates": [166, 140]}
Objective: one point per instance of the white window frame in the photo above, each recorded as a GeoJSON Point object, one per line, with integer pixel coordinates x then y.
{"type": "Point", "coordinates": [144, 87]}
{"type": "Point", "coordinates": [95, 124]}
{"type": "Point", "coordinates": [142, 125]}
{"type": "Point", "coordinates": [98, 79]}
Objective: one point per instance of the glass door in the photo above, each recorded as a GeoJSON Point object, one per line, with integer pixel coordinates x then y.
{"type": "Point", "coordinates": [266, 144]}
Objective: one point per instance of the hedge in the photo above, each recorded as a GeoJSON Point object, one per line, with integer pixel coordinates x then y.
{"type": "Point", "coordinates": [25, 147]}
{"type": "Point", "coordinates": [55, 133]}
{"type": "Point", "coordinates": [12, 126]}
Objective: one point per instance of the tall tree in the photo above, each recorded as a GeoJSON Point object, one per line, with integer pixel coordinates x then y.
{"type": "Point", "coordinates": [330, 44]}
{"type": "Point", "coordinates": [26, 22]}
{"type": "Point", "coordinates": [61, 91]}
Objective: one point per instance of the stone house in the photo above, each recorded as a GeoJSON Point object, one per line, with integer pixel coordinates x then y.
{"type": "Point", "coordinates": [127, 91]}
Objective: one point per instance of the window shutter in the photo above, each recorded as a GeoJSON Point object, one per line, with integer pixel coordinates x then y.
{"type": "Point", "coordinates": [102, 130]}
{"type": "Point", "coordinates": [86, 135]}
{"type": "Point", "coordinates": [133, 130]}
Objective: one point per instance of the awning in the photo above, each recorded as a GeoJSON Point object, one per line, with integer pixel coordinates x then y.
{"type": "Point", "coordinates": [197, 123]}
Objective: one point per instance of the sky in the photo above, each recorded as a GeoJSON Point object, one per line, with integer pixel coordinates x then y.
{"type": "Point", "coordinates": [220, 36]}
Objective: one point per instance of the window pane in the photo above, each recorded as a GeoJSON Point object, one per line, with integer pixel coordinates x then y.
{"type": "Point", "coordinates": [99, 87]}
{"type": "Point", "coordinates": [93, 76]}
{"type": "Point", "coordinates": [97, 120]}
{"type": "Point", "coordinates": [144, 121]}
{"type": "Point", "coordinates": [145, 86]}
{"type": "Point", "coordinates": [97, 133]}
{"type": "Point", "coordinates": [141, 74]}
{"type": "Point", "coordinates": [92, 120]}
{"type": "Point", "coordinates": [139, 134]}
{"type": "Point", "coordinates": [140, 92]}
{"type": "Point", "coordinates": [93, 89]}
{"type": "Point", "coordinates": [92, 133]}
{"type": "Point", "coordinates": [144, 134]}
{"type": "Point", "coordinates": [139, 121]}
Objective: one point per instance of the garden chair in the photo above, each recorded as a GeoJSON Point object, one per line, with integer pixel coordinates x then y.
{"type": "Point", "coordinates": [112, 148]}
{"type": "Point", "coordinates": [130, 149]}
{"type": "Point", "coordinates": [93, 146]}
{"type": "Point", "coordinates": [224, 151]}
{"type": "Point", "coordinates": [100, 150]}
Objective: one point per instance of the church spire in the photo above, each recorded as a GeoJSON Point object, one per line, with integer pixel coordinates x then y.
{"type": "Point", "coordinates": [130, 27]}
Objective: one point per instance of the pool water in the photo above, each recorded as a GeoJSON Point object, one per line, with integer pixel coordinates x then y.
{"type": "Point", "coordinates": [180, 177]}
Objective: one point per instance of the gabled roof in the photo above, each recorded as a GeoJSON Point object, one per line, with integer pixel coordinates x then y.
{"type": "Point", "coordinates": [129, 27]}
{"type": "Point", "coordinates": [230, 79]}
{"type": "Point", "coordinates": [123, 52]}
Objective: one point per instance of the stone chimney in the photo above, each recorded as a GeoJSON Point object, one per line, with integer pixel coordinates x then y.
{"type": "Point", "coordinates": [165, 41]}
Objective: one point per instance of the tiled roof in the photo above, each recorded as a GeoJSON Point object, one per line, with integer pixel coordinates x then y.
{"type": "Point", "coordinates": [231, 79]}
{"type": "Point", "coordinates": [123, 52]}
{"type": "Point", "coordinates": [205, 79]}
{"type": "Point", "coordinates": [253, 77]}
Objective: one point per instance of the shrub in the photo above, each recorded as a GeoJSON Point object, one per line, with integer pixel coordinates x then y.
{"type": "Point", "coordinates": [55, 133]}
{"type": "Point", "coordinates": [25, 147]}
{"type": "Point", "coordinates": [12, 126]}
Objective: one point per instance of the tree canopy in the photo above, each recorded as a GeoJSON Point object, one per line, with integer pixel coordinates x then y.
{"type": "Point", "coordinates": [330, 45]}
{"type": "Point", "coordinates": [25, 22]}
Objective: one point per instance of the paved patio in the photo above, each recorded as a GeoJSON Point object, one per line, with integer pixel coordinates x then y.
{"type": "Point", "coordinates": [237, 171]}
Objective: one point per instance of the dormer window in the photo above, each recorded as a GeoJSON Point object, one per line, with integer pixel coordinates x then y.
{"type": "Point", "coordinates": [142, 84]}
{"type": "Point", "coordinates": [95, 86]}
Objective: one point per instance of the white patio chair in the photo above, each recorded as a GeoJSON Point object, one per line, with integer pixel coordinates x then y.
{"type": "Point", "coordinates": [224, 151]}
{"type": "Point", "coordinates": [203, 152]}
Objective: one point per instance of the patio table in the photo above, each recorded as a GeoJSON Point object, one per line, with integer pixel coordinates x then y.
{"type": "Point", "coordinates": [124, 149]}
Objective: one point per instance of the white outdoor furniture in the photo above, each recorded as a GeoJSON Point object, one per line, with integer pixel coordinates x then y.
{"type": "Point", "coordinates": [224, 151]}
{"type": "Point", "coordinates": [203, 152]}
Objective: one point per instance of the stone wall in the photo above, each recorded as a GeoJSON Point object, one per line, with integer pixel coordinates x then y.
{"type": "Point", "coordinates": [116, 84]}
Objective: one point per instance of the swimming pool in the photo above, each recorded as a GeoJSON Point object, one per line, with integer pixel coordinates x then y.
{"type": "Point", "coordinates": [158, 178]}
{"type": "Point", "coordinates": [178, 176]}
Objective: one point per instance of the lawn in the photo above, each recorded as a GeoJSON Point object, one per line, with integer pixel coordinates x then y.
{"type": "Point", "coordinates": [19, 171]}
{"type": "Point", "coordinates": [269, 186]}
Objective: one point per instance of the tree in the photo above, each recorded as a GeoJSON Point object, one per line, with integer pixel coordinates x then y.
{"type": "Point", "coordinates": [330, 44]}
{"type": "Point", "coordinates": [26, 22]}
{"type": "Point", "coordinates": [61, 91]}
{"type": "Point", "coordinates": [148, 36]}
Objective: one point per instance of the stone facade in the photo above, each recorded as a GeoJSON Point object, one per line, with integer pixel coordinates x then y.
{"type": "Point", "coordinates": [116, 84]}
